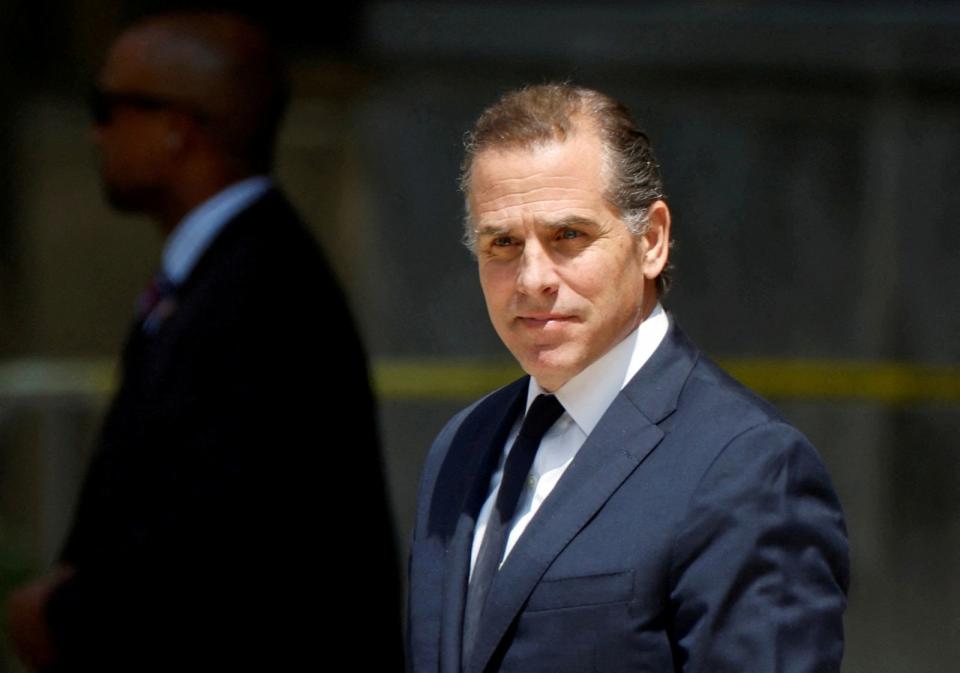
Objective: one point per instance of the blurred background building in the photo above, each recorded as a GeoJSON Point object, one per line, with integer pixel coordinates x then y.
{"type": "Point", "coordinates": [810, 150]}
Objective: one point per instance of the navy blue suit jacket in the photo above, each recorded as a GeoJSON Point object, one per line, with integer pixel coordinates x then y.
{"type": "Point", "coordinates": [694, 531]}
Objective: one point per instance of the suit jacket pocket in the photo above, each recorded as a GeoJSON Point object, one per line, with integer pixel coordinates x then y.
{"type": "Point", "coordinates": [570, 592]}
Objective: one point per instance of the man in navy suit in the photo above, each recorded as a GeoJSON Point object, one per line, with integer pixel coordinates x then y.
{"type": "Point", "coordinates": [212, 533]}
{"type": "Point", "coordinates": [628, 506]}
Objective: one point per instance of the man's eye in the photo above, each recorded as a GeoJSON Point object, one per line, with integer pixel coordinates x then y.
{"type": "Point", "coordinates": [569, 234]}
{"type": "Point", "coordinates": [502, 241]}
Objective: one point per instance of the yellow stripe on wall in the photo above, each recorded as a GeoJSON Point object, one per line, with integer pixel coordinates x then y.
{"type": "Point", "coordinates": [889, 383]}
{"type": "Point", "coordinates": [460, 380]}
{"type": "Point", "coordinates": [440, 380]}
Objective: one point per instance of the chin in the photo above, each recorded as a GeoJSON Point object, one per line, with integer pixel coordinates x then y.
{"type": "Point", "coordinates": [120, 201]}
{"type": "Point", "coordinates": [126, 200]}
{"type": "Point", "coordinates": [550, 372]}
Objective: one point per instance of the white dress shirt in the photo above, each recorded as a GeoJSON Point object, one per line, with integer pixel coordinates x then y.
{"type": "Point", "coordinates": [585, 399]}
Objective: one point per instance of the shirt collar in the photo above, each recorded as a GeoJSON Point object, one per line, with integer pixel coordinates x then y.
{"type": "Point", "coordinates": [588, 394]}
{"type": "Point", "coordinates": [193, 234]}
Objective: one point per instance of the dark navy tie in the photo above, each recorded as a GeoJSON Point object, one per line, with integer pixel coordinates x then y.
{"type": "Point", "coordinates": [544, 411]}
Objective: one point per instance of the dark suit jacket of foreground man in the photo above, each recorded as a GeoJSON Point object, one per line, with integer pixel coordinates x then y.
{"type": "Point", "coordinates": [695, 530]}
{"type": "Point", "coordinates": [211, 530]}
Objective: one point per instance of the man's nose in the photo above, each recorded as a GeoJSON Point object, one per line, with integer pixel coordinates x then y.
{"type": "Point", "coordinates": [537, 272]}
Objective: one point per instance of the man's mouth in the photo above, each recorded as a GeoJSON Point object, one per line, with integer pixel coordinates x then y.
{"type": "Point", "coordinates": [544, 319]}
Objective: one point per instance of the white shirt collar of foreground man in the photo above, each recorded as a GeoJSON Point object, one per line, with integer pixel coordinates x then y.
{"type": "Point", "coordinates": [585, 398]}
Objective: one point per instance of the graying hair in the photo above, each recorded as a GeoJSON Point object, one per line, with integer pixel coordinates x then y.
{"type": "Point", "coordinates": [537, 115]}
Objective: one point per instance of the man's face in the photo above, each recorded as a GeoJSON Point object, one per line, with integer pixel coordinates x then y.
{"type": "Point", "coordinates": [132, 128]}
{"type": "Point", "coordinates": [563, 278]}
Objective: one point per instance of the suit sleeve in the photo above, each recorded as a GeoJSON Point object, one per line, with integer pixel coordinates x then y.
{"type": "Point", "coordinates": [760, 568]}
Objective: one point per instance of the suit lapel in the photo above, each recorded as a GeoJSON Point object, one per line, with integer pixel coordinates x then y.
{"type": "Point", "coordinates": [625, 435]}
{"type": "Point", "coordinates": [479, 441]}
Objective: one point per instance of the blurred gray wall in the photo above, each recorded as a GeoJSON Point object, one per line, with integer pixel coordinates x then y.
{"type": "Point", "coordinates": [810, 152]}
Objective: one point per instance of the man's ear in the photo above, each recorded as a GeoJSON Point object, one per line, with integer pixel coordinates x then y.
{"type": "Point", "coordinates": [181, 131]}
{"type": "Point", "coordinates": [656, 239]}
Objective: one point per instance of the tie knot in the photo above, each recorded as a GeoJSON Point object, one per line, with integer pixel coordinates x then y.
{"type": "Point", "coordinates": [543, 413]}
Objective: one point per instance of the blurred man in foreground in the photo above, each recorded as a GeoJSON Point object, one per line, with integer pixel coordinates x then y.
{"type": "Point", "coordinates": [210, 532]}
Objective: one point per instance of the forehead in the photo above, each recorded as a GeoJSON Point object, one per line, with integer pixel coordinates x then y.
{"type": "Point", "coordinates": [546, 177]}
{"type": "Point", "coordinates": [128, 62]}
{"type": "Point", "coordinates": [149, 58]}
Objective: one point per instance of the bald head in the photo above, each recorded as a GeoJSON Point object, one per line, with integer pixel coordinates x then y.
{"type": "Point", "coordinates": [219, 67]}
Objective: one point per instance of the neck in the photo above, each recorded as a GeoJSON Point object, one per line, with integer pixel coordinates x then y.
{"type": "Point", "coordinates": [193, 191]}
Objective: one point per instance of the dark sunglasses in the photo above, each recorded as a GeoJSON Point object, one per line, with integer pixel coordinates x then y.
{"type": "Point", "coordinates": [103, 103]}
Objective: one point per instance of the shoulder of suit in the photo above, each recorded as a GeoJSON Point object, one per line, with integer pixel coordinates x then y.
{"type": "Point", "coordinates": [468, 421]}
{"type": "Point", "coordinates": [711, 381]}
{"type": "Point", "coordinates": [266, 242]}
{"type": "Point", "coordinates": [714, 409]}
{"type": "Point", "coordinates": [491, 404]}
{"type": "Point", "coordinates": [271, 221]}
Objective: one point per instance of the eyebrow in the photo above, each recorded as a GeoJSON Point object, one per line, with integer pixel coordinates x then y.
{"type": "Point", "coordinates": [491, 230]}
{"type": "Point", "coordinates": [555, 225]}
{"type": "Point", "coordinates": [570, 221]}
